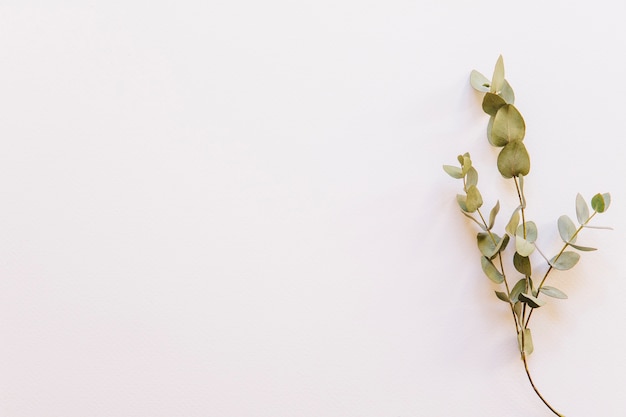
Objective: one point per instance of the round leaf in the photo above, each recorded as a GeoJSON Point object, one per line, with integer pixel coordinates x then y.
{"type": "Point", "coordinates": [566, 261]}
{"type": "Point", "coordinates": [523, 246]}
{"type": "Point", "coordinates": [522, 264]}
{"type": "Point", "coordinates": [601, 202]}
{"type": "Point", "coordinates": [491, 103]}
{"type": "Point", "coordinates": [531, 231]}
{"type": "Point", "coordinates": [508, 125]}
{"type": "Point", "coordinates": [514, 160]}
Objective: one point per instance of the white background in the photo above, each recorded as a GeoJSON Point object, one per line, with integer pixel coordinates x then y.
{"type": "Point", "coordinates": [237, 208]}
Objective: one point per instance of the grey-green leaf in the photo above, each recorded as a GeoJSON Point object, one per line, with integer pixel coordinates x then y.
{"type": "Point", "coordinates": [601, 202]}
{"type": "Point", "coordinates": [567, 229]}
{"type": "Point", "coordinates": [522, 264]}
{"type": "Point", "coordinates": [525, 343]}
{"type": "Point", "coordinates": [488, 247]}
{"type": "Point", "coordinates": [454, 172]}
{"type": "Point", "coordinates": [492, 214]}
{"type": "Point", "coordinates": [553, 292]}
{"type": "Point", "coordinates": [502, 296]}
{"type": "Point", "coordinates": [491, 103]}
{"type": "Point", "coordinates": [523, 246]}
{"type": "Point", "coordinates": [532, 301]}
{"type": "Point", "coordinates": [528, 231]}
{"type": "Point", "coordinates": [514, 160]}
{"type": "Point", "coordinates": [491, 271]}
{"type": "Point", "coordinates": [508, 125]}
{"type": "Point", "coordinates": [511, 226]}
{"type": "Point", "coordinates": [479, 82]}
{"type": "Point", "coordinates": [474, 199]}
{"type": "Point", "coordinates": [507, 92]}
{"type": "Point", "coordinates": [582, 248]}
{"type": "Point", "coordinates": [518, 288]}
{"type": "Point", "coordinates": [471, 177]}
{"type": "Point", "coordinates": [582, 210]}
{"type": "Point", "coordinates": [498, 76]}
{"type": "Point", "coordinates": [461, 201]}
{"type": "Point", "coordinates": [567, 260]}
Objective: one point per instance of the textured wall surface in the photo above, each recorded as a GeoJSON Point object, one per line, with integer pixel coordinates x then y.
{"type": "Point", "coordinates": [237, 208]}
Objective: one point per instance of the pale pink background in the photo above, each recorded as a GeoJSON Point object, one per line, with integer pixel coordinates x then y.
{"type": "Point", "coordinates": [237, 208]}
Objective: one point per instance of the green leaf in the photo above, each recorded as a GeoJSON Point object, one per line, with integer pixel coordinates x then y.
{"type": "Point", "coordinates": [508, 125]}
{"type": "Point", "coordinates": [582, 210]}
{"type": "Point", "coordinates": [471, 178]}
{"type": "Point", "coordinates": [525, 343]}
{"type": "Point", "coordinates": [474, 199]}
{"type": "Point", "coordinates": [532, 301]}
{"type": "Point", "coordinates": [491, 271]}
{"type": "Point", "coordinates": [531, 231]}
{"type": "Point", "coordinates": [601, 202]}
{"type": "Point", "coordinates": [507, 92]}
{"type": "Point", "coordinates": [491, 103]}
{"type": "Point", "coordinates": [523, 246]}
{"type": "Point", "coordinates": [498, 76]}
{"type": "Point", "coordinates": [492, 215]}
{"type": "Point", "coordinates": [517, 307]}
{"type": "Point", "coordinates": [479, 82]}
{"type": "Point", "coordinates": [511, 226]}
{"type": "Point", "coordinates": [502, 296]}
{"type": "Point", "coordinates": [518, 288]}
{"type": "Point", "coordinates": [522, 264]}
{"type": "Point", "coordinates": [454, 172]}
{"type": "Point", "coordinates": [488, 247]}
{"type": "Point", "coordinates": [582, 248]}
{"type": "Point", "coordinates": [513, 160]}
{"type": "Point", "coordinates": [567, 260]}
{"type": "Point", "coordinates": [553, 292]}
{"type": "Point", "coordinates": [461, 201]}
{"type": "Point", "coordinates": [567, 229]}
{"type": "Point", "coordinates": [489, 132]}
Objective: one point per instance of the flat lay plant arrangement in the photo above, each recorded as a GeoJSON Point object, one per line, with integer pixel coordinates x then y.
{"type": "Point", "coordinates": [522, 283]}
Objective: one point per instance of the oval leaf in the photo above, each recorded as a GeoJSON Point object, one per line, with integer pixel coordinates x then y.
{"type": "Point", "coordinates": [507, 92]}
{"type": "Point", "coordinates": [534, 302]}
{"type": "Point", "coordinates": [471, 178]}
{"type": "Point", "coordinates": [522, 264]}
{"type": "Point", "coordinates": [582, 210]}
{"type": "Point", "coordinates": [491, 271]}
{"type": "Point", "coordinates": [508, 125]}
{"type": "Point", "coordinates": [513, 160]}
{"type": "Point", "coordinates": [553, 292]}
{"type": "Point", "coordinates": [491, 103]}
{"type": "Point", "coordinates": [529, 232]}
{"type": "Point", "coordinates": [566, 261]}
{"type": "Point", "coordinates": [567, 229]}
{"type": "Point", "coordinates": [601, 202]}
{"type": "Point", "coordinates": [474, 199]}
{"type": "Point", "coordinates": [518, 288]}
{"type": "Point", "coordinates": [454, 172]}
{"type": "Point", "coordinates": [479, 82]}
{"type": "Point", "coordinates": [523, 246]}
{"type": "Point", "coordinates": [488, 247]}
{"type": "Point", "coordinates": [502, 296]}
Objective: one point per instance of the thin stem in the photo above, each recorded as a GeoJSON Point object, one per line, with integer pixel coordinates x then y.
{"type": "Point", "coordinates": [535, 388]}
{"type": "Point", "coordinates": [522, 203]}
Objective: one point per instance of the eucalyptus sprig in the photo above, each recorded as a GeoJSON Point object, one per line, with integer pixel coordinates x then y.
{"type": "Point", "coordinates": [506, 130]}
